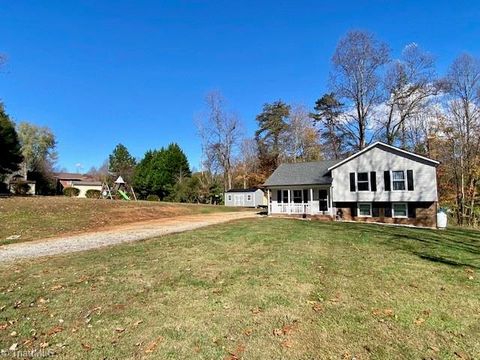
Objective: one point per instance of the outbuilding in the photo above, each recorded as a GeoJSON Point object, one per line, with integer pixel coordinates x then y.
{"type": "Point", "coordinates": [245, 197]}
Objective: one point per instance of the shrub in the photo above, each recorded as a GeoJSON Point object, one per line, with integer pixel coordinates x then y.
{"type": "Point", "coordinates": [71, 191]}
{"type": "Point", "coordinates": [153, 198]}
{"type": "Point", "coordinates": [21, 188]}
{"type": "Point", "coordinates": [93, 194]}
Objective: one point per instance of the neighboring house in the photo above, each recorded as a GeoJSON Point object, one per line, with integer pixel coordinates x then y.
{"type": "Point", "coordinates": [79, 181]}
{"type": "Point", "coordinates": [380, 183]}
{"type": "Point", "coordinates": [84, 186]}
{"type": "Point", "coordinates": [16, 181]}
{"type": "Point", "coordinates": [245, 197]}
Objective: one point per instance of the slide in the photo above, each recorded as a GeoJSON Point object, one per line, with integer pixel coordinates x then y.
{"type": "Point", "coordinates": [124, 195]}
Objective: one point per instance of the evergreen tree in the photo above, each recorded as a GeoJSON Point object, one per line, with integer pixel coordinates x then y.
{"type": "Point", "coordinates": [10, 149]}
{"type": "Point", "coordinates": [328, 111]}
{"type": "Point", "coordinates": [272, 125]}
{"type": "Point", "coordinates": [120, 162]}
{"type": "Point", "coordinates": [159, 171]}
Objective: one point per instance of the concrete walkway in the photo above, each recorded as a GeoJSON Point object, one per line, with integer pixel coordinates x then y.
{"type": "Point", "coordinates": [126, 233]}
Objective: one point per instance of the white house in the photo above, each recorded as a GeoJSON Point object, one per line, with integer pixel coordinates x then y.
{"type": "Point", "coordinates": [380, 183]}
{"type": "Point", "coordinates": [245, 198]}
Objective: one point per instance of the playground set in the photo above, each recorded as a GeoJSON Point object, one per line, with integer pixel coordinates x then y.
{"type": "Point", "coordinates": [118, 190]}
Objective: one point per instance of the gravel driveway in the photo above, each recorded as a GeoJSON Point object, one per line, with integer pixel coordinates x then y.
{"type": "Point", "coordinates": [127, 233]}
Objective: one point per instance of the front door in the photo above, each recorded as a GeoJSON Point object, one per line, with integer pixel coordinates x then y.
{"type": "Point", "coordinates": [239, 200]}
{"type": "Point", "coordinates": [323, 200]}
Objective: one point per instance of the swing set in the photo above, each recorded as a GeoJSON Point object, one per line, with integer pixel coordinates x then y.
{"type": "Point", "coordinates": [119, 189]}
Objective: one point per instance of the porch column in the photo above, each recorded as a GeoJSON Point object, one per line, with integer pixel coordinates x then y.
{"type": "Point", "coordinates": [331, 202]}
{"type": "Point", "coordinates": [289, 204]}
{"type": "Point", "coordinates": [268, 202]}
{"type": "Point", "coordinates": [311, 201]}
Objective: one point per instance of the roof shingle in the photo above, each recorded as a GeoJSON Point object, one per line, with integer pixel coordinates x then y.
{"type": "Point", "coordinates": [306, 173]}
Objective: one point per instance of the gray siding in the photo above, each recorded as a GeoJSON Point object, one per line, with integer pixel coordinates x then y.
{"type": "Point", "coordinates": [380, 160]}
{"type": "Point", "coordinates": [246, 199]}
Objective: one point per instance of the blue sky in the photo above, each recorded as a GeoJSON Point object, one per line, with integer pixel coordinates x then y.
{"type": "Point", "coordinates": [103, 72]}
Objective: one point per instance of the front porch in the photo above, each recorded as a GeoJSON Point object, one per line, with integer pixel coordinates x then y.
{"type": "Point", "coordinates": [300, 201]}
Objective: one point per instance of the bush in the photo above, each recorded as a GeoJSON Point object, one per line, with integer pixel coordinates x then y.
{"type": "Point", "coordinates": [93, 194]}
{"type": "Point", "coordinates": [21, 188]}
{"type": "Point", "coordinates": [71, 191]}
{"type": "Point", "coordinates": [153, 198]}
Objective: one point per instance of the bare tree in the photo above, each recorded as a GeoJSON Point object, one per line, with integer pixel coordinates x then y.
{"type": "Point", "coordinates": [410, 84]}
{"type": "Point", "coordinates": [220, 132]}
{"type": "Point", "coordinates": [302, 140]}
{"type": "Point", "coordinates": [355, 78]}
{"type": "Point", "coordinates": [463, 132]}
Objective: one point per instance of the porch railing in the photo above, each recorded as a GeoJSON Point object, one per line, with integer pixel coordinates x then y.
{"type": "Point", "coordinates": [294, 208]}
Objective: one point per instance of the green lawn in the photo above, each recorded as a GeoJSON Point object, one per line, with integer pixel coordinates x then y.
{"type": "Point", "coordinates": [254, 289]}
{"type": "Point", "coordinates": [41, 217]}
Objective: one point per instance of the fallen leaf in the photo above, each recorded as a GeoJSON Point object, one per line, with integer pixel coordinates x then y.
{"type": "Point", "coordinates": [317, 307]}
{"type": "Point", "coordinates": [277, 332]}
{"type": "Point", "coordinates": [43, 345]}
{"type": "Point", "coordinates": [119, 329]}
{"type": "Point", "coordinates": [151, 347]}
{"type": "Point", "coordinates": [86, 347]}
{"type": "Point", "coordinates": [13, 334]}
{"type": "Point", "coordinates": [248, 332]}
{"type": "Point", "coordinates": [419, 321]}
{"type": "Point", "coordinates": [287, 343]}
{"type": "Point", "coordinates": [3, 326]}
{"type": "Point", "coordinates": [55, 330]}
{"type": "Point", "coordinates": [462, 355]}
{"type": "Point", "coordinates": [56, 287]}
{"type": "Point", "coordinates": [383, 312]}
{"type": "Point", "coordinates": [13, 347]}
{"type": "Point", "coordinates": [136, 323]}
{"type": "Point", "coordinates": [256, 310]}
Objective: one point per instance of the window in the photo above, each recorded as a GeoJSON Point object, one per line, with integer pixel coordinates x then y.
{"type": "Point", "coordinates": [364, 209]}
{"type": "Point", "coordinates": [229, 197]}
{"type": "Point", "coordinates": [399, 210]}
{"type": "Point", "coordinates": [297, 196]}
{"type": "Point", "coordinates": [362, 181]}
{"type": "Point", "coordinates": [398, 180]}
{"type": "Point", "coordinates": [249, 197]}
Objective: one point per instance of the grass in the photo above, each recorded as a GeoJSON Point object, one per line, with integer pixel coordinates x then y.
{"type": "Point", "coordinates": [41, 217]}
{"type": "Point", "coordinates": [254, 289]}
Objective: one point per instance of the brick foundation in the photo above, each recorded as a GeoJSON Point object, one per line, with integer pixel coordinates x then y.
{"type": "Point", "coordinates": [420, 214]}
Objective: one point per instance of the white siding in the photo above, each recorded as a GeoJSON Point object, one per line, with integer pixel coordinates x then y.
{"type": "Point", "coordinates": [84, 188]}
{"type": "Point", "coordinates": [379, 160]}
{"type": "Point", "coordinates": [247, 199]}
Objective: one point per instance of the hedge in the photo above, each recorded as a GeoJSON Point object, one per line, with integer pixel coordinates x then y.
{"type": "Point", "coordinates": [71, 191]}
{"type": "Point", "coordinates": [153, 198]}
{"type": "Point", "coordinates": [93, 194]}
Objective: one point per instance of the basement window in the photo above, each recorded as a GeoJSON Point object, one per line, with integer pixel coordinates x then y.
{"type": "Point", "coordinates": [399, 210]}
{"type": "Point", "coordinates": [364, 209]}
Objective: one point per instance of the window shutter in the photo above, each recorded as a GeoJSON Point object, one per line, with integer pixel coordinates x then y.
{"type": "Point", "coordinates": [279, 196]}
{"type": "Point", "coordinates": [388, 210]}
{"type": "Point", "coordinates": [352, 182]}
{"type": "Point", "coordinates": [412, 211]}
{"type": "Point", "coordinates": [410, 180]}
{"type": "Point", "coordinates": [373, 181]}
{"type": "Point", "coordinates": [386, 178]}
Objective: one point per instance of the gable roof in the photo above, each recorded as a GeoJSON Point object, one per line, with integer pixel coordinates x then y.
{"type": "Point", "coordinates": [390, 148]}
{"type": "Point", "coordinates": [306, 173]}
{"type": "Point", "coordinates": [242, 190]}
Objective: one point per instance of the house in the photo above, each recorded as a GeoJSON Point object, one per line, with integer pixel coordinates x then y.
{"type": "Point", "coordinates": [79, 181]}
{"type": "Point", "coordinates": [380, 183]}
{"type": "Point", "coordinates": [17, 185]}
{"type": "Point", "coordinates": [245, 197]}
